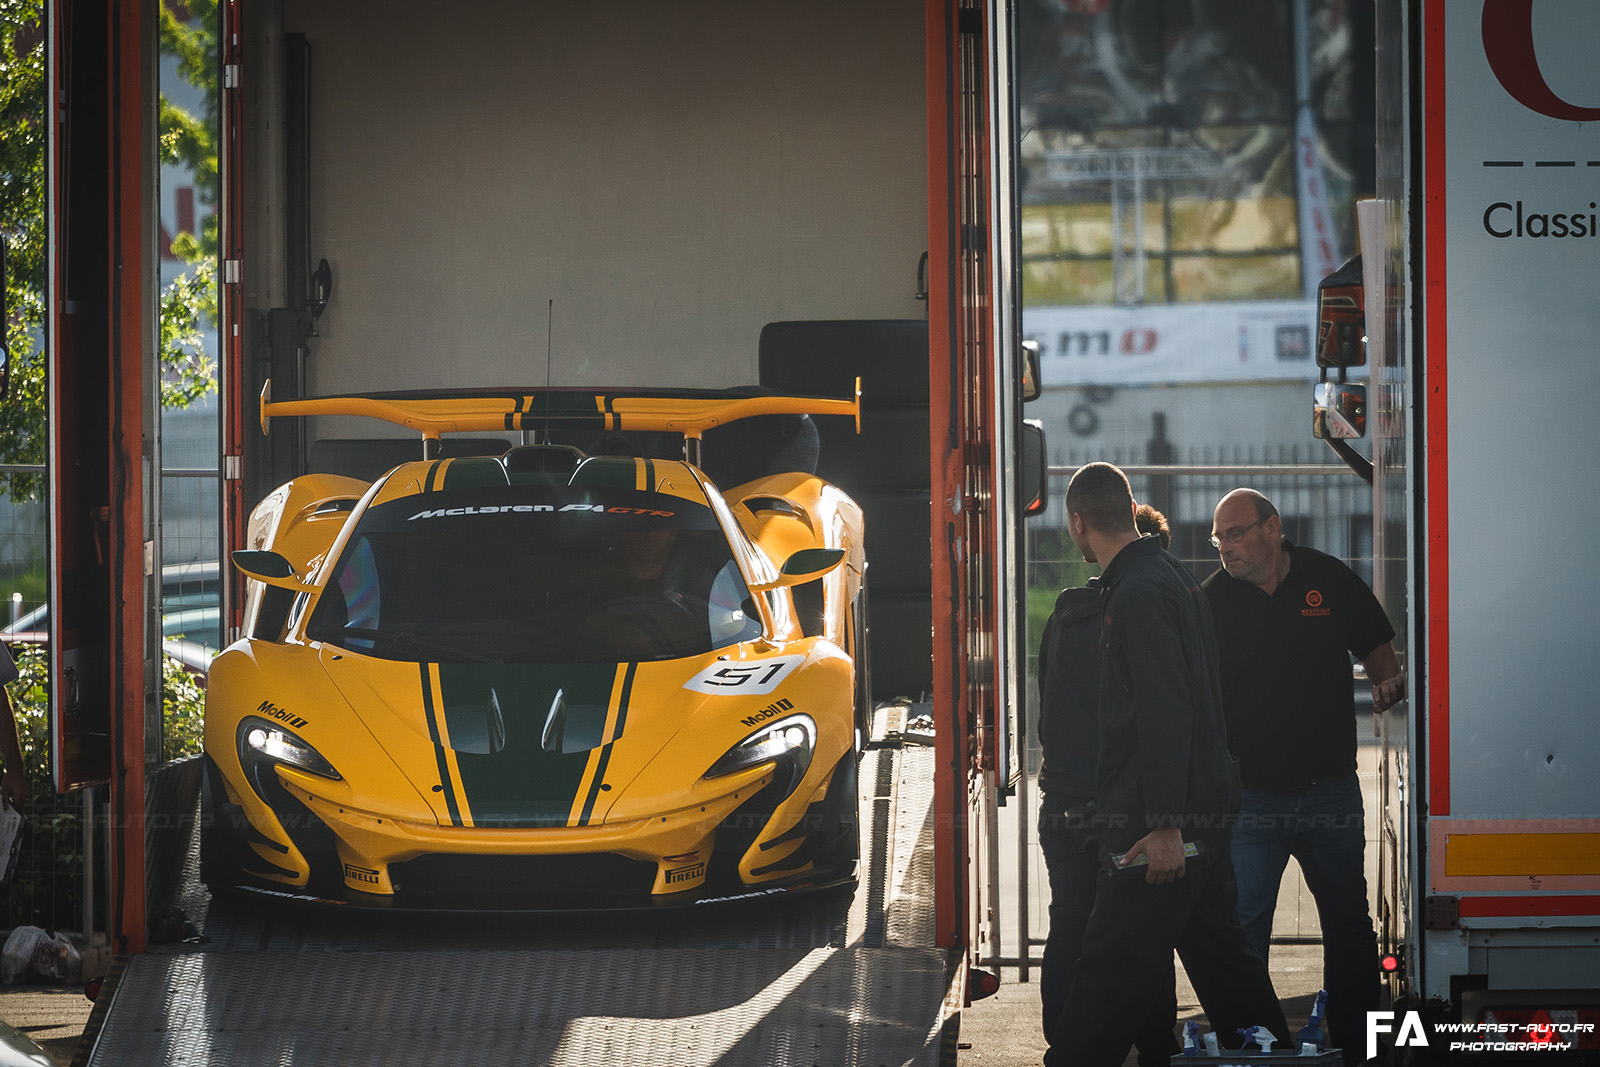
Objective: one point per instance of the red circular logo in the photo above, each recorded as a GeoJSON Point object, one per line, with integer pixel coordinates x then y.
{"type": "Point", "coordinates": [1314, 599]}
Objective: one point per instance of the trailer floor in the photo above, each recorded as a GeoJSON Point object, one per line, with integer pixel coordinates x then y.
{"type": "Point", "coordinates": [829, 978]}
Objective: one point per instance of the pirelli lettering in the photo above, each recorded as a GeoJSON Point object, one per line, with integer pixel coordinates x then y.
{"type": "Point", "coordinates": [679, 875]}
{"type": "Point", "coordinates": [360, 874]}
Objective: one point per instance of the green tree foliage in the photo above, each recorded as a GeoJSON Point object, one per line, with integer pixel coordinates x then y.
{"type": "Point", "coordinates": [187, 303]}
{"type": "Point", "coordinates": [22, 203]}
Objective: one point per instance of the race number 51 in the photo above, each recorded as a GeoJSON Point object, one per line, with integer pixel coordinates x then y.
{"type": "Point", "coordinates": [743, 679]}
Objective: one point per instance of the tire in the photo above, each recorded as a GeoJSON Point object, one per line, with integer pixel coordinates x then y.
{"type": "Point", "coordinates": [843, 854]}
{"type": "Point", "coordinates": [219, 861]}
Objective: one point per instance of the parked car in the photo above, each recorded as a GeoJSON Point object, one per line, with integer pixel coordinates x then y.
{"type": "Point", "coordinates": [191, 616]}
{"type": "Point", "coordinates": [542, 679]}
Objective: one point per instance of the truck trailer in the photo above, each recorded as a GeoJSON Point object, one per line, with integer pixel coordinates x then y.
{"type": "Point", "coordinates": [1478, 260]}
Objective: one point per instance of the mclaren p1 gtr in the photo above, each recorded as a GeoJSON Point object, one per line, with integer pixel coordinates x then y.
{"type": "Point", "coordinates": [544, 678]}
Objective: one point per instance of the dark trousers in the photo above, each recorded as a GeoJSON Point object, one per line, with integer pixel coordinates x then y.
{"type": "Point", "coordinates": [1127, 954]}
{"type": "Point", "coordinates": [1071, 859]}
{"type": "Point", "coordinates": [1322, 827]}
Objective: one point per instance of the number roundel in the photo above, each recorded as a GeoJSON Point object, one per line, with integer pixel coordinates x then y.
{"type": "Point", "coordinates": [747, 678]}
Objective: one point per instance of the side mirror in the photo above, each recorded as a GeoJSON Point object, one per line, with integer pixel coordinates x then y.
{"type": "Point", "coordinates": [810, 563]}
{"type": "Point", "coordinates": [272, 568]}
{"type": "Point", "coordinates": [1031, 383]}
{"type": "Point", "coordinates": [1339, 411]}
{"type": "Point", "coordinates": [1033, 469]}
{"type": "Point", "coordinates": [1341, 318]}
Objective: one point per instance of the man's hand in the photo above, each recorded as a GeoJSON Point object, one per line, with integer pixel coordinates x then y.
{"type": "Point", "coordinates": [1389, 692]}
{"type": "Point", "coordinates": [1165, 849]}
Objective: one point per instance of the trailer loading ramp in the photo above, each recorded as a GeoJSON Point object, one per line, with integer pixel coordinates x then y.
{"type": "Point", "coordinates": [801, 979]}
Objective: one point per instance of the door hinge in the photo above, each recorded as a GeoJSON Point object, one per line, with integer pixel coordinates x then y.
{"type": "Point", "coordinates": [232, 468]}
{"type": "Point", "coordinates": [230, 76]}
{"type": "Point", "coordinates": [232, 272]}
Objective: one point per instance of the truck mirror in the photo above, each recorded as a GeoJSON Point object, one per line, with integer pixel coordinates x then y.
{"type": "Point", "coordinates": [1341, 318]}
{"type": "Point", "coordinates": [1033, 470]}
{"type": "Point", "coordinates": [1031, 382]}
{"type": "Point", "coordinates": [1339, 411]}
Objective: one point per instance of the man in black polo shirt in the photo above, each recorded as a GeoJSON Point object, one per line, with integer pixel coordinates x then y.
{"type": "Point", "coordinates": [1164, 780]}
{"type": "Point", "coordinates": [1288, 620]}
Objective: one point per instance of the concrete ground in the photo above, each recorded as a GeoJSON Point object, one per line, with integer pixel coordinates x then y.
{"type": "Point", "coordinates": [52, 1016]}
{"type": "Point", "coordinates": [1005, 1030]}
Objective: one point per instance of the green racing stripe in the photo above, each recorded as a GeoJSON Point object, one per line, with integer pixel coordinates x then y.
{"type": "Point", "coordinates": [521, 784]}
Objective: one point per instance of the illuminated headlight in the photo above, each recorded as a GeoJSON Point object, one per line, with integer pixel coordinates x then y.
{"type": "Point", "coordinates": [792, 739]}
{"type": "Point", "coordinates": [260, 739]}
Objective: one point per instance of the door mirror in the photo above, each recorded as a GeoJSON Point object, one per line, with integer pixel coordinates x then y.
{"type": "Point", "coordinates": [273, 568]}
{"type": "Point", "coordinates": [1031, 383]}
{"type": "Point", "coordinates": [809, 564]}
{"type": "Point", "coordinates": [1339, 411]}
{"type": "Point", "coordinates": [1033, 469]}
{"type": "Point", "coordinates": [1341, 318]}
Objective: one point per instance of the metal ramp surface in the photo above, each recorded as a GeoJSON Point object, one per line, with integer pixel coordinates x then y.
{"type": "Point", "coordinates": [820, 979]}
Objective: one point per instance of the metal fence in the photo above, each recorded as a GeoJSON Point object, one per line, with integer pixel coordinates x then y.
{"type": "Point", "coordinates": [59, 882]}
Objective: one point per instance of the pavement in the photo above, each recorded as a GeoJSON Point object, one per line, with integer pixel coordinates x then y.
{"type": "Point", "coordinates": [53, 1016]}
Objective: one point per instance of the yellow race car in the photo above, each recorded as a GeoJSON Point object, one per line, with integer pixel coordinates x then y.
{"type": "Point", "coordinates": [545, 678]}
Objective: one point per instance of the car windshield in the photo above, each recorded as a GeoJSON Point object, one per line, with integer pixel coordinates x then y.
{"type": "Point", "coordinates": [536, 573]}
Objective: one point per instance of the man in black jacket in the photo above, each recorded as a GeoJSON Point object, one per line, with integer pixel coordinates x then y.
{"type": "Point", "coordinates": [1069, 735]}
{"type": "Point", "coordinates": [1166, 789]}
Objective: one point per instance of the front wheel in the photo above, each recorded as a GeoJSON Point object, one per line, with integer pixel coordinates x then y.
{"type": "Point", "coordinates": [842, 854]}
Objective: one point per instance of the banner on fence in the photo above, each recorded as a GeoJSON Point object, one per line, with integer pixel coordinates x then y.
{"type": "Point", "coordinates": [1259, 340]}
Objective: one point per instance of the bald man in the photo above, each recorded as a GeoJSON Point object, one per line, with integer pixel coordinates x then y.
{"type": "Point", "coordinates": [1288, 619]}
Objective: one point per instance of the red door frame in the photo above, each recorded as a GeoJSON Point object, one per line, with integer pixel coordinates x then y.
{"type": "Point", "coordinates": [100, 350]}
{"type": "Point", "coordinates": [962, 462]}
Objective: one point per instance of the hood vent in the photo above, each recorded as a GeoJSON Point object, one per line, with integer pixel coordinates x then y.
{"type": "Point", "coordinates": [573, 728]}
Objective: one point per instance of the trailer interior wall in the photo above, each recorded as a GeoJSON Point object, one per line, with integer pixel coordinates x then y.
{"type": "Point", "coordinates": [637, 186]}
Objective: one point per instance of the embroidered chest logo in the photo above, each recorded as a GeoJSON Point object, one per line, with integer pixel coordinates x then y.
{"type": "Point", "coordinates": [1314, 605]}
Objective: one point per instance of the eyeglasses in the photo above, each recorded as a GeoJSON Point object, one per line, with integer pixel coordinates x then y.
{"type": "Point", "coordinates": [1235, 535]}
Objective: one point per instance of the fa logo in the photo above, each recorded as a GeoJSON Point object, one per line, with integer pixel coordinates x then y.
{"type": "Point", "coordinates": [1411, 1031]}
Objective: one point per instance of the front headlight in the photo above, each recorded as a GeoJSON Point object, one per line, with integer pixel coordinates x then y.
{"type": "Point", "coordinates": [791, 739]}
{"type": "Point", "coordinates": [260, 739]}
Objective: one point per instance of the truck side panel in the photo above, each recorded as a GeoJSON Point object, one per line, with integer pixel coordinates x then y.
{"type": "Point", "coordinates": [1510, 241]}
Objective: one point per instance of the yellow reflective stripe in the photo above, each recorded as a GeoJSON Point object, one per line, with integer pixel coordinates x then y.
{"type": "Point", "coordinates": [1522, 854]}
{"type": "Point", "coordinates": [451, 766]}
{"type": "Point", "coordinates": [580, 796]}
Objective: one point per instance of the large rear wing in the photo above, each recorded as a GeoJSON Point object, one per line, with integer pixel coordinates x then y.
{"type": "Point", "coordinates": [432, 414]}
